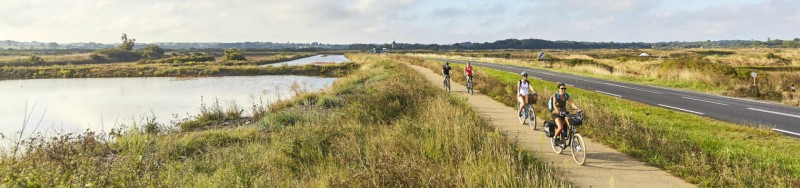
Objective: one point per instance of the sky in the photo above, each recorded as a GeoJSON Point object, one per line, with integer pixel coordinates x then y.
{"type": "Point", "coordinates": [406, 21]}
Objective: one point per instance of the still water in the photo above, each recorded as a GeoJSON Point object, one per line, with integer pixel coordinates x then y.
{"type": "Point", "coordinates": [315, 59]}
{"type": "Point", "coordinates": [74, 105]}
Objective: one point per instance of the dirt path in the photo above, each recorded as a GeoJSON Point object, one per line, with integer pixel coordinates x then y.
{"type": "Point", "coordinates": [604, 167]}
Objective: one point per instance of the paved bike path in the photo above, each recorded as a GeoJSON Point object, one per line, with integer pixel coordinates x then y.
{"type": "Point", "coordinates": [604, 167]}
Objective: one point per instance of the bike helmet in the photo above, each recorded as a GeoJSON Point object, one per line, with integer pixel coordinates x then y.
{"type": "Point", "coordinates": [524, 73]}
{"type": "Point", "coordinates": [560, 84]}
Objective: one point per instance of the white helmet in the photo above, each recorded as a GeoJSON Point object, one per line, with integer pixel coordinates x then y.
{"type": "Point", "coordinates": [524, 73]}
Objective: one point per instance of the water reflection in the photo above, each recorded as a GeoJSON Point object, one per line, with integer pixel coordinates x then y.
{"type": "Point", "coordinates": [315, 59]}
{"type": "Point", "coordinates": [74, 105]}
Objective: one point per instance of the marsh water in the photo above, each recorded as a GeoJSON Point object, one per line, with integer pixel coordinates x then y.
{"type": "Point", "coordinates": [315, 59]}
{"type": "Point", "coordinates": [75, 105]}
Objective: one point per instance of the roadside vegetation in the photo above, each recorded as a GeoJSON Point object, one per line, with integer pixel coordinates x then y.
{"type": "Point", "coordinates": [718, 71]}
{"type": "Point", "coordinates": [378, 127]}
{"type": "Point", "coordinates": [700, 150]}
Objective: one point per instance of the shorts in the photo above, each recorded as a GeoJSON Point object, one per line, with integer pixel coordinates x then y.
{"type": "Point", "coordinates": [557, 116]}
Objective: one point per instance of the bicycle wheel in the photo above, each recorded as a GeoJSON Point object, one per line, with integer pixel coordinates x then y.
{"type": "Point", "coordinates": [532, 117]}
{"type": "Point", "coordinates": [556, 149]}
{"type": "Point", "coordinates": [578, 149]}
{"type": "Point", "coordinates": [447, 85]}
{"type": "Point", "coordinates": [469, 87]}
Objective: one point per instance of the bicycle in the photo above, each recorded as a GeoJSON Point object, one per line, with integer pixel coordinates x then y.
{"type": "Point", "coordinates": [447, 83]}
{"type": "Point", "coordinates": [573, 139]}
{"type": "Point", "coordinates": [527, 111]}
{"type": "Point", "coordinates": [469, 85]}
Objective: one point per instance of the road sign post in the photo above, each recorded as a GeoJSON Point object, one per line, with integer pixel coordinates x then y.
{"type": "Point", "coordinates": [754, 74]}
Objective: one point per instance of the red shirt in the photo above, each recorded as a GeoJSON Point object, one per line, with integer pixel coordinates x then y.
{"type": "Point", "coordinates": [468, 70]}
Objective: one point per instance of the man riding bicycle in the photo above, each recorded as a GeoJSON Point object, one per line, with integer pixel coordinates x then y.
{"type": "Point", "coordinates": [559, 105]}
{"type": "Point", "coordinates": [446, 71]}
{"type": "Point", "coordinates": [523, 86]}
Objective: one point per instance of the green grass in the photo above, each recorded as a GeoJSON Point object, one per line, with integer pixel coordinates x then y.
{"type": "Point", "coordinates": [701, 150]}
{"type": "Point", "coordinates": [378, 127]}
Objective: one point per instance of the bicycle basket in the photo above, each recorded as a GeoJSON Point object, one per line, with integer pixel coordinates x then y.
{"type": "Point", "coordinates": [532, 98]}
{"type": "Point", "coordinates": [575, 120]}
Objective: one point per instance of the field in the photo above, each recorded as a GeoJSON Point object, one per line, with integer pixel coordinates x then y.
{"type": "Point", "coordinates": [718, 71]}
{"type": "Point", "coordinates": [701, 150]}
{"type": "Point", "coordinates": [377, 127]}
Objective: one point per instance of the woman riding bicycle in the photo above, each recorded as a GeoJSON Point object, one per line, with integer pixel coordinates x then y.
{"type": "Point", "coordinates": [468, 71]}
{"type": "Point", "coordinates": [560, 112]}
{"type": "Point", "coordinates": [523, 86]}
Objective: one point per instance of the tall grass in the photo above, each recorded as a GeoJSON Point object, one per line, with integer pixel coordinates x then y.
{"type": "Point", "coordinates": [379, 127]}
{"type": "Point", "coordinates": [700, 150]}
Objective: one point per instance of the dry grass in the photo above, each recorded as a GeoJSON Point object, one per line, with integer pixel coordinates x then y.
{"type": "Point", "coordinates": [628, 67]}
{"type": "Point", "coordinates": [378, 127]}
{"type": "Point", "coordinates": [700, 150]}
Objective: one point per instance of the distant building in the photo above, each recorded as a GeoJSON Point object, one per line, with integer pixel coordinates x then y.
{"type": "Point", "coordinates": [644, 55]}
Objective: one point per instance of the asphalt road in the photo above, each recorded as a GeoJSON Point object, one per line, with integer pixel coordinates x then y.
{"type": "Point", "coordinates": [784, 119]}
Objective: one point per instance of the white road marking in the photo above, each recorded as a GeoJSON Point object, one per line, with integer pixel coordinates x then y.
{"type": "Point", "coordinates": [772, 112]}
{"type": "Point", "coordinates": [608, 93]}
{"type": "Point", "coordinates": [649, 91]}
{"type": "Point", "coordinates": [706, 101]}
{"type": "Point", "coordinates": [681, 109]}
{"type": "Point", "coordinates": [787, 132]}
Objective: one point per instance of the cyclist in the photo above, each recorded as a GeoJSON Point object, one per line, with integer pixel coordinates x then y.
{"type": "Point", "coordinates": [559, 103]}
{"type": "Point", "coordinates": [523, 89]}
{"type": "Point", "coordinates": [446, 71]}
{"type": "Point", "coordinates": [468, 71]}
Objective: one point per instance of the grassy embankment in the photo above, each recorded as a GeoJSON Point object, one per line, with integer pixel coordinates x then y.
{"type": "Point", "coordinates": [110, 56]}
{"type": "Point", "coordinates": [181, 66]}
{"type": "Point", "coordinates": [719, 71]}
{"type": "Point", "coordinates": [700, 150]}
{"type": "Point", "coordinates": [380, 126]}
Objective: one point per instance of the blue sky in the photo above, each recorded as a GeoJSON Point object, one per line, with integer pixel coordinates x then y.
{"type": "Point", "coordinates": [411, 21]}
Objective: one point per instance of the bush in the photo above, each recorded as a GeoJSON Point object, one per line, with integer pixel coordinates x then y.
{"type": "Point", "coordinates": [118, 55]}
{"type": "Point", "coordinates": [233, 54]}
{"type": "Point", "coordinates": [35, 60]}
{"type": "Point", "coordinates": [577, 62]}
{"type": "Point", "coordinates": [153, 52]}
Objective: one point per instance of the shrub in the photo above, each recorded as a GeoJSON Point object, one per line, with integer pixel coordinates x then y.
{"type": "Point", "coordinates": [233, 54]}
{"type": "Point", "coordinates": [153, 52]}
{"type": "Point", "coordinates": [577, 62]}
{"type": "Point", "coordinates": [118, 55]}
{"type": "Point", "coordinates": [35, 60]}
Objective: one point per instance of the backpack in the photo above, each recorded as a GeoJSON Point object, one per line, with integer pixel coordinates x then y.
{"type": "Point", "coordinates": [550, 105]}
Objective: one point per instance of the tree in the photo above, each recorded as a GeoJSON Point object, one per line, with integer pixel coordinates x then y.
{"type": "Point", "coordinates": [127, 44]}
{"type": "Point", "coordinates": [153, 52]}
{"type": "Point", "coordinates": [233, 54]}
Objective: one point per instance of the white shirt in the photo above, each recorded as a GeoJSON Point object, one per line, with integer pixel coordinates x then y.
{"type": "Point", "coordinates": [523, 88]}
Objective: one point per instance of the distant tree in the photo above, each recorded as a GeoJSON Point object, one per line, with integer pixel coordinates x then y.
{"type": "Point", "coordinates": [127, 44]}
{"type": "Point", "coordinates": [153, 52]}
{"type": "Point", "coordinates": [233, 54]}
{"type": "Point", "coordinates": [52, 45]}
